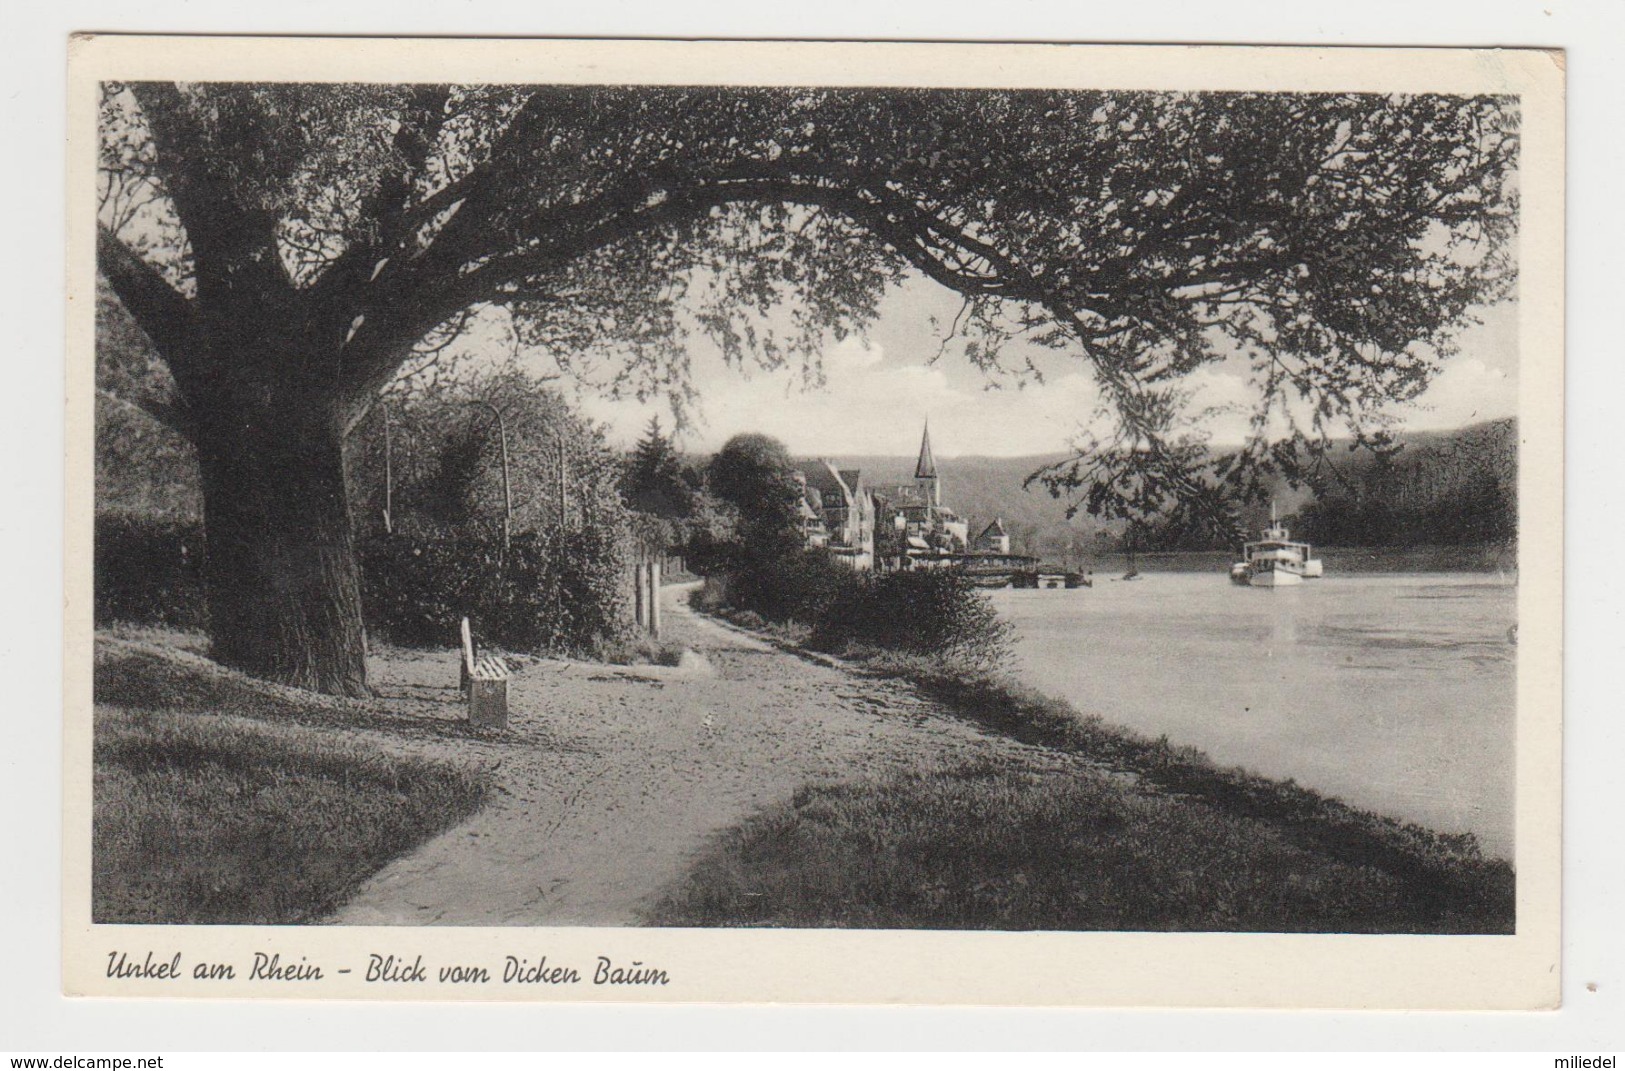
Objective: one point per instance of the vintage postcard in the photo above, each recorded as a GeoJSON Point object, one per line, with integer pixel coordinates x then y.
{"type": "Point", "coordinates": [814, 522]}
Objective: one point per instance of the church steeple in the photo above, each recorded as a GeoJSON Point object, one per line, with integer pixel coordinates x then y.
{"type": "Point", "coordinates": [925, 470]}
{"type": "Point", "coordinates": [927, 467]}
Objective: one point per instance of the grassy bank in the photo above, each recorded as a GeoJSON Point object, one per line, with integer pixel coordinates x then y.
{"type": "Point", "coordinates": [205, 817]}
{"type": "Point", "coordinates": [1159, 838]}
{"type": "Point", "coordinates": [984, 847]}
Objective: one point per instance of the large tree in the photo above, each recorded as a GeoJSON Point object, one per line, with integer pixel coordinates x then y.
{"type": "Point", "coordinates": [754, 474]}
{"type": "Point", "coordinates": [656, 482]}
{"type": "Point", "coordinates": [288, 248]}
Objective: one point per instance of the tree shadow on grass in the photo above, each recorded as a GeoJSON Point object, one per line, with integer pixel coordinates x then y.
{"type": "Point", "coordinates": [148, 676]}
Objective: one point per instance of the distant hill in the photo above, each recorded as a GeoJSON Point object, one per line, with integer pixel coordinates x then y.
{"type": "Point", "coordinates": [982, 488]}
{"type": "Point", "coordinates": [1453, 488]}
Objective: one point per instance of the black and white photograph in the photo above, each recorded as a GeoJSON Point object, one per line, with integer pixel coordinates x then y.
{"type": "Point", "coordinates": [1075, 506]}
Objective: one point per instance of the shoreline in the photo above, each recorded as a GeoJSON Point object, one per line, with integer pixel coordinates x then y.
{"type": "Point", "coordinates": [1039, 717]}
{"type": "Point", "coordinates": [1446, 884]}
{"type": "Point", "coordinates": [1346, 561]}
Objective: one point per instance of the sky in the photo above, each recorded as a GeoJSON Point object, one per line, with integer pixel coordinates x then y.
{"type": "Point", "coordinates": [879, 391]}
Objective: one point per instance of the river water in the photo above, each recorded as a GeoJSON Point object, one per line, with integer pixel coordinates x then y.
{"type": "Point", "coordinates": [1393, 692]}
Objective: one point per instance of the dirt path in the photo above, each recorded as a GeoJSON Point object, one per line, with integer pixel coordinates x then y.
{"type": "Point", "coordinates": [611, 779]}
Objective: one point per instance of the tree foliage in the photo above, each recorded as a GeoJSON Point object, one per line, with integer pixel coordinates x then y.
{"type": "Point", "coordinates": [656, 481]}
{"type": "Point", "coordinates": [755, 475]}
{"type": "Point", "coordinates": [1461, 489]}
{"type": "Point", "coordinates": [445, 463]}
{"type": "Point", "coordinates": [1336, 239]}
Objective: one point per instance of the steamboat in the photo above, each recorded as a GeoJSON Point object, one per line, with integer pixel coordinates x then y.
{"type": "Point", "coordinates": [1275, 560]}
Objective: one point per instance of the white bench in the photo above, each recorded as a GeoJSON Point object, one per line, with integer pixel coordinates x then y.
{"type": "Point", "coordinates": [484, 683]}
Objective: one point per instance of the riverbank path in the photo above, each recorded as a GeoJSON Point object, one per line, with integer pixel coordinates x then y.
{"type": "Point", "coordinates": [610, 780]}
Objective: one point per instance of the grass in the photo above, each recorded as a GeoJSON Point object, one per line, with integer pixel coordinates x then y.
{"type": "Point", "coordinates": [201, 817]}
{"type": "Point", "coordinates": [1011, 848]}
{"type": "Point", "coordinates": [641, 651]}
{"type": "Point", "coordinates": [1159, 838]}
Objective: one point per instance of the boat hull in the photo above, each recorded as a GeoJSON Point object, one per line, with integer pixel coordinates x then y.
{"type": "Point", "coordinates": [1274, 578]}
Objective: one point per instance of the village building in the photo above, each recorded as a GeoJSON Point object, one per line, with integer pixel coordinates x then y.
{"type": "Point", "coordinates": [925, 533]}
{"type": "Point", "coordinates": [838, 513]}
{"type": "Point", "coordinates": [993, 540]}
{"type": "Point", "coordinates": [906, 527]}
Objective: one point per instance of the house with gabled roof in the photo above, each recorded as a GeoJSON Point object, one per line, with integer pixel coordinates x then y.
{"type": "Point", "coordinates": [993, 540]}
{"type": "Point", "coordinates": [844, 513]}
{"type": "Point", "coordinates": [910, 524]}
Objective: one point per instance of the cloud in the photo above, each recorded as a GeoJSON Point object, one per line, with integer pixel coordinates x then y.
{"type": "Point", "coordinates": [853, 352]}
{"type": "Point", "coordinates": [1468, 390]}
{"type": "Point", "coordinates": [871, 404]}
{"type": "Point", "coordinates": [877, 392]}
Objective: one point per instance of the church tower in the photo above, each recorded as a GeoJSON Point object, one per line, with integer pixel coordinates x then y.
{"type": "Point", "coordinates": [925, 471]}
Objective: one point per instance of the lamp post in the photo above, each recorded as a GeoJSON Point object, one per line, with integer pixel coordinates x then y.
{"type": "Point", "coordinates": [507, 492]}
{"type": "Point", "coordinates": [389, 474]}
{"type": "Point", "coordinates": [564, 500]}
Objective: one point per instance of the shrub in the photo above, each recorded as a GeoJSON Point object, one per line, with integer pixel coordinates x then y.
{"type": "Point", "coordinates": [565, 591]}
{"type": "Point", "coordinates": [149, 570]}
{"type": "Point", "coordinates": [557, 590]}
{"type": "Point", "coordinates": [800, 586]}
{"type": "Point", "coordinates": [933, 613]}
{"type": "Point", "coordinates": [936, 613]}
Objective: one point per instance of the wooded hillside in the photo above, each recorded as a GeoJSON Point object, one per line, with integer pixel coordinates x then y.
{"type": "Point", "coordinates": [1438, 488]}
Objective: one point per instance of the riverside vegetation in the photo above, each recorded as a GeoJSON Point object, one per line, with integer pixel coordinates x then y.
{"type": "Point", "coordinates": [1160, 838]}
{"type": "Point", "coordinates": [219, 798]}
{"type": "Point", "coordinates": [242, 226]}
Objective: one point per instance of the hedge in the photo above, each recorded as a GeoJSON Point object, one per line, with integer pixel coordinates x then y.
{"type": "Point", "coordinates": [930, 612]}
{"type": "Point", "coordinates": [558, 590]}
{"type": "Point", "coordinates": [562, 591]}
{"type": "Point", "coordinates": [149, 571]}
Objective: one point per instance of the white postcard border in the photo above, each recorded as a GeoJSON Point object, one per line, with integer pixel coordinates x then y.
{"type": "Point", "coordinates": [795, 966]}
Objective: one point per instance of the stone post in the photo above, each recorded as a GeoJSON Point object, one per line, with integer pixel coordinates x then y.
{"type": "Point", "coordinates": [638, 596]}
{"type": "Point", "coordinates": [654, 597]}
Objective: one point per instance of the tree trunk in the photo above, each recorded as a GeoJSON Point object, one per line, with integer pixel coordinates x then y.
{"type": "Point", "coordinates": [283, 591]}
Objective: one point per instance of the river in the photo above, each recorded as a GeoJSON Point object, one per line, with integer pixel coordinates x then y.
{"type": "Point", "coordinates": [1393, 692]}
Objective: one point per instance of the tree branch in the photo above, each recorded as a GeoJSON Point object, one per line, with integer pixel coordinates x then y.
{"type": "Point", "coordinates": [920, 237]}
{"type": "Point", "coordinates": [169, 319]}
{"type": "Point", "coordinates": [234, 249]}
{"type": "Point", "coordinates": [387, 204]}
{"type": "Point", "coordinates": [172, 417]}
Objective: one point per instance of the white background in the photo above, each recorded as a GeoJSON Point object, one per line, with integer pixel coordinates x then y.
{"type": "Point", "coordinates": [32, 77]}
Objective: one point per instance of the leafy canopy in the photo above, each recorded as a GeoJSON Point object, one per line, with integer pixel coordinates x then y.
{"type": "Point", "coordinates": [1335, 242]}
{"type": "Point", "coordinates": [755, 475]}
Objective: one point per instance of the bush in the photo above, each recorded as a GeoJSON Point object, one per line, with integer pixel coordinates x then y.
{"type": "Point", "coordinates": [934, 613]}
{"type": "Point", "coordinates": [149, 570]}
{"type": "Point", "coordinates": [558, 590]}
{"type": "Point", "coordinates": [564, 591]}
{"type": "Point", "coordinates": [799, 587]}
{"type": "Point", "coordinates": [937, 613]}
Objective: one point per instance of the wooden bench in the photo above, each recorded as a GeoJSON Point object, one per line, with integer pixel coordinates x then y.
{"type": "Point", "coordinates": [484, 683]}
